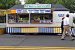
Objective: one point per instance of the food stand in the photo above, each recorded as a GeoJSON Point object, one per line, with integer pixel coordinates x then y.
{"type": "Point", "coordinates": [33, 18]}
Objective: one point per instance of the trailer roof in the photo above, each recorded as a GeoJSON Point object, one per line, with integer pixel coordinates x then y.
{"type": "Point", "coordinates": [55, 7]}
{"type": "Point", "coordinates": [59, 7]}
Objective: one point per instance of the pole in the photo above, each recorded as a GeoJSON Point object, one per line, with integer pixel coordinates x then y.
{"type": "Point", "coordinates": [29, 18]}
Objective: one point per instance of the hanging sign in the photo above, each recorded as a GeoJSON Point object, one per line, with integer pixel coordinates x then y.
{"type": "Point", "coordinates": [39, 10]}
{"type": "Point", "coordinates": [33, 10]}
{"type": "Point", "coordinates": [19, 10]}
{"type": "Point", "coordinates": [13, 11]}
{"type": "Point", "coordinates": [37, 6]}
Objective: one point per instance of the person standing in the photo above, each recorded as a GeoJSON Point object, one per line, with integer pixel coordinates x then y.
{"type": "Point", "coordinates": [66, 28]}
{"type": "Point", "coordinates": [62, 25]}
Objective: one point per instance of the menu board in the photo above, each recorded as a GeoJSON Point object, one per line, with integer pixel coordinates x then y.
{"type": "Point", "coordinates": [39, 10]}
{"type": "Point", "coordinates": [33, 10]}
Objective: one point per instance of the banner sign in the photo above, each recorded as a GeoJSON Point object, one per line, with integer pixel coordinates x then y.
{"type": "Point", "coordinates": [39, 10]}
{"type": "Point", "coordinates": [61, 15]}
{"type": "Point", "coordinates": [37, 6]}
{"type": "Point", "coordinates": [19, 10]}
{"type": "Point", "coordinates": [33, 10]}
{"type": "Point", "coordinates": [12, 11]}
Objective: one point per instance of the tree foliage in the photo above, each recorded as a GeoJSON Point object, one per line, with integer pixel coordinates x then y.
{"type": "Point", "coordinates": [30, 1]}
{"type": "Point", "coordinates": [5, 4]}
{"type": "Point", "coordinates": [44, 1]}
{"type": "Point", "coordinates": [70, 4]}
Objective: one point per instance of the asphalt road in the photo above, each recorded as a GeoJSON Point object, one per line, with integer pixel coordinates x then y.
{"type": "Point", "coordinates": [35, 40]}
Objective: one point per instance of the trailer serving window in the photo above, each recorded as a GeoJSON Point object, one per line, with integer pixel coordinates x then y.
{"type": "Point", "coordinates": [44, 18]}
{"type": "Point", "coordinates": [2, 16]}
{"type": "Point", "coordinates": [18, 18]}
{"type": "Point", "coordinates": [3, 19]}
{"type": "Point", "coordinates": [23, 18]}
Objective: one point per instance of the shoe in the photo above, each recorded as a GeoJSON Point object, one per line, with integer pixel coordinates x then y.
{"type": "Point", "coordinates": [72, 39]}
{"type": "Point", "coordinates": [62, 39]}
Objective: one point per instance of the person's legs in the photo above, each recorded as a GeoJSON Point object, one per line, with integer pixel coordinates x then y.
{"type": "Point", "coordinates": [64, 32]}
{"type": "Point", "coordinates": [69, 32]}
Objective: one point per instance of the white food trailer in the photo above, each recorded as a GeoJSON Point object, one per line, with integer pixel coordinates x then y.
{"type": "Point", "coordinates": [35, 18]}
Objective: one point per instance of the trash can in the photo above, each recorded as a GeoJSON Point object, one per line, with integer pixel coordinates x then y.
{"type": "Point", "coordinates": [2, 31]}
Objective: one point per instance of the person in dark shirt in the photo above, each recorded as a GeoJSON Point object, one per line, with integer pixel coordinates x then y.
{"type": "Point", "coordinates": [62, 25]}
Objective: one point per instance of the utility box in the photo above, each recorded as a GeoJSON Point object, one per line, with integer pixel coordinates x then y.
{"type": "Point", "coordinates": [2, 31]}
{"type": "Point", "coordinates": [2, 28]}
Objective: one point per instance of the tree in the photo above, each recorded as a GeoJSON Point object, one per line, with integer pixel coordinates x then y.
{"type": "Point", "coordinates": [40, 1]}
{"type": "Point", "coordinates": [5, 4]}
{"type": "Point", "coordinates": [44, 1]}
{"type": "Point", "coordinates": [30, 1]}
{"type": "Point", "coordinates": [69, 4]}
